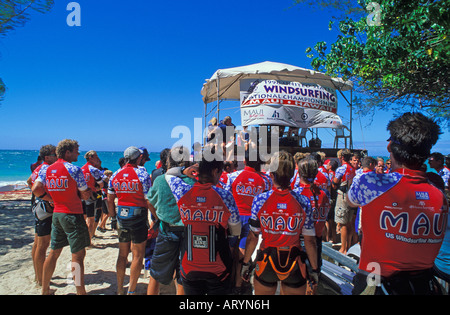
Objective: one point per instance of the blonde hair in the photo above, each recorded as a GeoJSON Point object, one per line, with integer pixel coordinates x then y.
{"type": "Point", "coordinates": [89, 154]}
{"type": "Point", "coordinates": [64, 146]}
{"type": "Point", "coordinates": [282, 166]}
{"type": "Point", "coordinates": [299, 156]}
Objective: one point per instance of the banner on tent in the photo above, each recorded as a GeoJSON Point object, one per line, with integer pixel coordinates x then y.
{"type": "Point", "coordinates": [284, 103]}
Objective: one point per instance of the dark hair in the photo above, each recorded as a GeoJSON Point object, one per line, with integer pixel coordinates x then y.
{"type": "Point", "coordinates": [333, 165]}
{"type": "Point", "coordinates": [47, 150]}
{"type": "Point", "coordinates": [163, 158]}
{"type": "Point", "coordinates": [206, 167]}
{"type": "Point", "coordinates": [437, 156]}
{"type": "Point", "coordinates": [346, 154]}
{"type": "Point", "coordinates": [412, 137]}
{"type": "Point", "coordinates": [255, 164]}
{"type": "Point", "coordinates": [367, 160]}
{"type": "Point", "coordinates": [307, 170]}
{"type": "Point", "coordinates": [436, 180]}
{"type": "Point", "coordinates": [121, 162]}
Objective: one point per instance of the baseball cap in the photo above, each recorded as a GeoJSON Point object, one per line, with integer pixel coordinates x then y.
{"type": "Point", "coordinates": [145, 154]}
{"type": "Point", "coordinates": [131, 153]}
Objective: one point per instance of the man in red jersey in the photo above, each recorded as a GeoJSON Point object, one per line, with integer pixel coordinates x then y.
{"type": "Point", "coordinates": [404, 216]}
{"type": "Point", "coordinates": [130, 185]}
{"type": "Point", "coordinates": [94, 179]}
{"type": "Point", "coordinates": [43, 224]}
{"type": "Point", "coordinates": [65, 184]}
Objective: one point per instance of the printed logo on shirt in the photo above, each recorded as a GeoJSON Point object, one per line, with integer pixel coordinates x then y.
{"type": "Point", "coordinates": [422, 195]}
{"type": "Point", "coordinates": [201, 199]}
{"type": "Point", "coordinates": [281, 206]}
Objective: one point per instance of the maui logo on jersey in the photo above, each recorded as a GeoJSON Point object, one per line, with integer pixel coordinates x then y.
{"type": "Point", "coordinates": [124, 187]}
{"type": "Point", "coordinates": [199, 215]}
{"type": "Point", "coordinates": [280, 223]}
{"type": "Point", "coordinates": [320, 214]}
{"type": "Point", "coordinates": [57, 183]}
{"type": "Point", "coordinates": [418, 225]}
{"type": "Point", "coordinates": [248, 190]}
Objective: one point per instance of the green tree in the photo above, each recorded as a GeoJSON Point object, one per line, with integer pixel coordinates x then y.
{"type": "Point", "coordinates": [397, 54]}
{"type": "Point", "coordinates": [15, 14]}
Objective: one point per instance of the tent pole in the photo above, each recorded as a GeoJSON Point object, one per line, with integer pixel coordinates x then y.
{"type": "Point", "coordinates": [218, 91]}
{"type": "Point", "coordinates": [204, 125]}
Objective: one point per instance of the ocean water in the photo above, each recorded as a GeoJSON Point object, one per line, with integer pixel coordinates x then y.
{"type": "Point", "coordinates": [15, 164]}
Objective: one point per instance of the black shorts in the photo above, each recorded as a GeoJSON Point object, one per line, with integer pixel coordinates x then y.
{"type": "Point", "coordinates": [269, 277]}
{"type": "Point", "coordinates": [43, 227]}
{"type": "Point", "coordinates": [212, 286]}
{"type": "Point", "coordinates": [89, 208]}
{"type": "Point", "coordinates": [134, 230]}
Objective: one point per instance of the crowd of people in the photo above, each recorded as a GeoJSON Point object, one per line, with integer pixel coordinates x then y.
{"type": "Point", "coordinates": [199, 221]}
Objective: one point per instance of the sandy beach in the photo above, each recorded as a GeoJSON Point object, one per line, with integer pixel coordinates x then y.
{"type": "Point", "coordinates": [16, 267]}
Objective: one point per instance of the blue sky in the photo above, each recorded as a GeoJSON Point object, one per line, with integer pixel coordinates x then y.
{"type": "Point", "coordinates": [131, 73]}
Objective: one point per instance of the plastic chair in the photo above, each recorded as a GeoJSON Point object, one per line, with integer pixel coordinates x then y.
{"type": "Point", "coordinates": [340, 134]}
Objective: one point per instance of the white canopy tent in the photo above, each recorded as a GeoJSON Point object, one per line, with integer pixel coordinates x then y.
{"type": "Point", "coordinates": [225, 84]}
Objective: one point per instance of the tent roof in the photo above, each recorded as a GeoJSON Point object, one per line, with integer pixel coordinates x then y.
{"type": "Point", "coordinates": [229, 87]}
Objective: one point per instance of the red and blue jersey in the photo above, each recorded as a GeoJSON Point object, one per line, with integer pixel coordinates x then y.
{"type": "Point", "coordinates": [92, 175]}
{"type": "Point", "coordinates": [322, 180]}
{"type": "Point", "coordinates": [245, 185]}
{"type": "Point", "coordinates": [345, 172]}
{"type": "Point", "coordinates": [205, 210]}
{"type": "Point", "coordinates": [403, 220]}
{"type": "Point", "coordinates": [130, 184]}
{"type": "Point", "coordinates": [283, 215]}
{"type": "Point", "coordinates": [63, 180]}
{"type": "Point", "coordinates": [320, 204]}
{"type": "Point", "coordinates": [35, 174]}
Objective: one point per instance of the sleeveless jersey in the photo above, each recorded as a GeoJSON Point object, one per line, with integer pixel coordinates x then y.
{"type": "Point", "coordinates": [283, 215]}
{"type": "Point", "coordinates": [320, 204]}
{"type": "Point", "coordinates": [403, 220]}
{"type": "Point", "coordinates": [62, 181]}
{"type": "Point", "coordinates": [206, 212]}
{"type": "Point", "coordinates": [245, 185]}
{"type": "Point", "coordinates": [130, 184]}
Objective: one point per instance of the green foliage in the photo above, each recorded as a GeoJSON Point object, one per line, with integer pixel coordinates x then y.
{"type": "Point", "coordinates": [401, 60]}
{"type": "Point", "coordinates": [16, 13]}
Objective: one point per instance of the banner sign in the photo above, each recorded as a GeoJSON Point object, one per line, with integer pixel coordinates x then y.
{"type": "Point", "coordinates": [283, 103]}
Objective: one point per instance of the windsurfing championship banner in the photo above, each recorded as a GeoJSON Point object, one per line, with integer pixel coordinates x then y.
{"type": "Point", "coordinates": [285, 103]}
